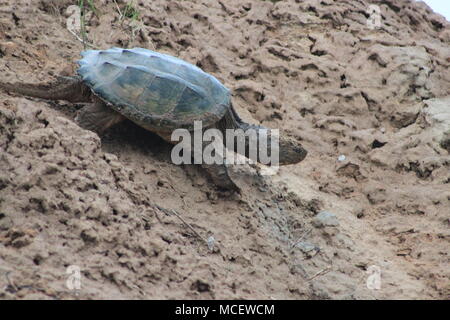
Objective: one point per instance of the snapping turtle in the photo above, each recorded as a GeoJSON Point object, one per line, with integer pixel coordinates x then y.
{"type": "Point", "coordinates": [156, 91]}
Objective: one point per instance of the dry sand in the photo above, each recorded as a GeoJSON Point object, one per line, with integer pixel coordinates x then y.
{"type": "Point", "coordinates": [379, 97]}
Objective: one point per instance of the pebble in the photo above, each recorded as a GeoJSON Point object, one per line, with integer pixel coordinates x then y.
{"type": "Point", "coordinates": [211, 241]}
{"type": "Point", "coordinates": [325, 219]}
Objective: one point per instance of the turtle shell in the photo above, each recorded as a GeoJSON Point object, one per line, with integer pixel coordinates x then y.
{"type": "Point", "coordinates": [157, 91]}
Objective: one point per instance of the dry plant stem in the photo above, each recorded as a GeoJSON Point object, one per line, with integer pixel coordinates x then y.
{"type": "Point", "coordinates": [301, 238]}
{"type": "Point", "coordinates": [320, 273]}
{"type": "Point", "coordinates": [82, 41]}
{"type": "Point", "coordinates": [184, 222]}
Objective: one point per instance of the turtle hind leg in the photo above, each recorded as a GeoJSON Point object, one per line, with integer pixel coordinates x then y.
{"type": "Point", "coordinates": [64, 88]}
{"type": "Point", "coordinates": [98, 117]}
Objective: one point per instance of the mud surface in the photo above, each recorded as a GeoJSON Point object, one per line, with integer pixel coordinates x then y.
{"type": "Point", "coordinates": [114, 205]}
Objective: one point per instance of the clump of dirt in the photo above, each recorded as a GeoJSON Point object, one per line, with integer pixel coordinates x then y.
{"type": "Point", "coordinates": [370, 105]}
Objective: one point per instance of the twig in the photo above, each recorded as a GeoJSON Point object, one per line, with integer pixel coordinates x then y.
{"type": "Point", "coordinates": [301, 238]}
{"type": "Point", "coordinates": [118, 9]}
{"type": "Point", "coordinates": [320, 273]}
{"type": "Point", "coordinates": [185, 223]}
{"type": "Point", "coordinates": [180, 193]}
{"type": "Point", "coordinates": [81, 40]}
{"type": "Point", "coordinates": [189, 226]}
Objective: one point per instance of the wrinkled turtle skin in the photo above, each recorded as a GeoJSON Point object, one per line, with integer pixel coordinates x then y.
{"type": "Point", "coordinates": [159, 92]}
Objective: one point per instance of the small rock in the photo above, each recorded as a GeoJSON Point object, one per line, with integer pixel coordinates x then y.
{"type": "Point", "coordinates": [201, 286]}
{"type": "Point", "coordinates": [350, 170]}
{"type": "Point", "coordinates": [89, 236]}
{"type": "Point", "coordinates": [308, 248]}
{"type": "Point", "coordinates": [305, 246]}
{"type": "Point", "coordinates": [402, 118]}
{"type": "Point", "coordinates": [6, 221]}
{"type": "Point", "coordinates": [325, 219]}
{"type": "Point", "coordinates": [211, 241]}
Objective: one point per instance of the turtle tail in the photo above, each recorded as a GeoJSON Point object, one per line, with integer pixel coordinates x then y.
{"type": "Point", "coordinates": [65, 88]}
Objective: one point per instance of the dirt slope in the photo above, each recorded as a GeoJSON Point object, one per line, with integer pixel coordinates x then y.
{"type": "Point", "coordinates": [379, 97]}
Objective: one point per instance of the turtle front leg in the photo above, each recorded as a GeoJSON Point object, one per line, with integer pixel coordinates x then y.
{"type": "Point", "coordinates": [217, 172]}
{"type": "Point", "coordinates": [220, 177]}
{"type": "Point", "coordinates": [98, 117]}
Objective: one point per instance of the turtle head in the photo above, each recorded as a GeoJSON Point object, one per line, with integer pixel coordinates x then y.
{"type": "Point", "coordinates": [291, 151]}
